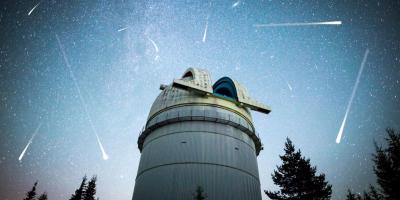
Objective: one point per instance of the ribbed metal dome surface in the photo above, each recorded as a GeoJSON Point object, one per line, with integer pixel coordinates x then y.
{"type": "Point", "coordinates": [172, 96]}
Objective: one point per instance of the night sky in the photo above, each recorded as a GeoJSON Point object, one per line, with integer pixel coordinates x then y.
{"type": "Point", "coordinates": [119, 52]}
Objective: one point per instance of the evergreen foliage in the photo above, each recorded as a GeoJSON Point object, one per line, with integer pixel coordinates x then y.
{"type": "Point", "coordinates": [43, 196]}
{"type": "Point", "coordinates": [387, 170]}
{"type": "Point", "coordinates": [91, 189]}
{"type": "Point", "coordinates": [352, 196]}
{"type": "Point", "coordinates": [32, 193]}
{"type": "Point", "coordinates": [387, 166]}
{"type": "Point", "coordinates": [297, 179]}
{"type": "Point", "coordinates": [80, 192]}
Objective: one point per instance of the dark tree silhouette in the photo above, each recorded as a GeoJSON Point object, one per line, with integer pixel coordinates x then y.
{"type": "Point", "coordinates": [43, 196]}
{"type": "Point", "coordinates": [297, 179]}
{"type": "Point", "coordinates": [387, 166]}
{"type": "Point", "coordinates": [387, 170]}
{"type": "Point", "coordinates": [373, 194]}
{"type": "Point", "coordinates": [199, 194]}
{"type": "Point", "coordinates": [352, 196]}
{"type": "Point", "coordinates": [80, 192]}
{"type": "Point", "coordinates": [32, 193]}
{"type": "Point", "coordinates": [91, 189]}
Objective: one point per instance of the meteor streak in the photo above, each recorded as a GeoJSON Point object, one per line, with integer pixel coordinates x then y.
{"type": "Point", "coordinates": [83, 102]}
{"type": "Point", "coordinates": [30, 12]}
{"type": "Point", "coordinates": [299, 24]}
{"type": "Point", "coordinates": [29, 142]}
{"type": "Point", "coordinates": [122, 29]}
{"type": "Point", "coordinates": [205, 31]}
{"type": "Point", "coordinates": [339, 136]}
{"type": "Point", "coordinates": [105, 156]}
{"type": "Point", "coordinates": [235, 4]}
{"type": "Point", "coordinates": [154, 44]}
{"type": "Point", "coordinates": [289, 86]}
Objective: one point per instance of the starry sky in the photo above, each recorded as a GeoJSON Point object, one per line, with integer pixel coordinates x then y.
{"type": "Point", "coordinates": [119, 52]}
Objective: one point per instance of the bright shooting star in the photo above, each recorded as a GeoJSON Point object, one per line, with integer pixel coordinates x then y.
{"type": "Point", "coordinates": [235, 4]}
{"type": "Point", "coordinates": [154, 44]}
{"type": "Point", "coordinates": [122, 29]}
{"type": "Point", "coordinates": [83, 102]}
{"type": "Point", "coordinates": [289, 86]}
{"type": "Point", "coordinates": [339, 136]}
{"type": "Point", "coordinates": [34, 7]}
{"type": "Point", "coordinates": [205, 31]}
{"type": "Point", "coordinates": [299, 24]}
{"type": "Point", "coordinates": [29, 142]}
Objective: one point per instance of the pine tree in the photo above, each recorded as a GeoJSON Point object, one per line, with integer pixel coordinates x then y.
{"type": "Point", "coordinates": [32, 193]}
{"type": "Point", "coordinates": [297, 179]}
{"type": "Point", "coordinates": [199, 194]}
{"type": "Point", "coordinates": [80, 192]}
{"type": "Point", "coordinates": [373, 194]}
{"type": "Point", "coordinates": [91, 189]}
{"type": "Point", "coordinates": [43, 196]}
{"type": "Point", "coordinates": [387, 169]}
{"type": "Point", "coordinates": [352, 196]}
{"type": "Point", "coordinates": [387, 166]}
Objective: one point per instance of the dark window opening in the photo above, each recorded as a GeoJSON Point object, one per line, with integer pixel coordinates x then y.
{"type": "Point", "coordinates": [225, 87]}
{"type": "Point", "coordinates": [188, 75]}
{"type": "Point", "coordinates": [225, 92]}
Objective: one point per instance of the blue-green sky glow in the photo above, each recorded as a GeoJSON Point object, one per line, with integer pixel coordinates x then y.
{"type": "Point", "coordinates": [305, 73]}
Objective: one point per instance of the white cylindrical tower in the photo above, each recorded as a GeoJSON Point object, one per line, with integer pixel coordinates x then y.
{"type": "Point", "coordinates": [200, 135]}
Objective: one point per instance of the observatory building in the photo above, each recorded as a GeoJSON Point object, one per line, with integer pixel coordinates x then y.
{"type": "Point", "coordinates": [200, 135]}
